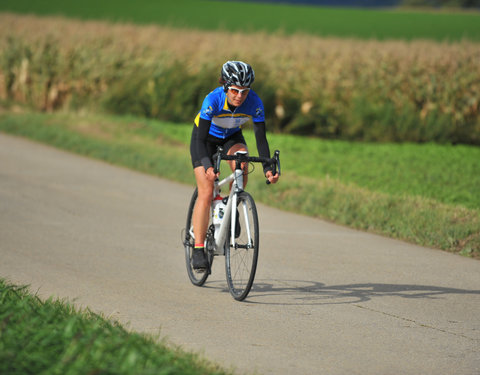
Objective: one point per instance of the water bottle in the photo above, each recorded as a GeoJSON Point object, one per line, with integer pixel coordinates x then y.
{"type": "Point", "coordinates": [218, 213]}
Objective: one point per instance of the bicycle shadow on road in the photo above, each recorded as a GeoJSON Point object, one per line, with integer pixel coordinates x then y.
{"type": "Point", "coordinates": [293, 292]}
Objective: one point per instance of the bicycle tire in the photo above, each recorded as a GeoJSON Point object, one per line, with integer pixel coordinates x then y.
{"type": "Point", "coordinates": [241, 260]}
{"type": "Point", "coordinates": [197, 278]}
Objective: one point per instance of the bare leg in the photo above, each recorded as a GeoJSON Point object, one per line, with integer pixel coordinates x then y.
{"type": "Point", "coordinates": [202, 207]}
{"type": "Point", "coordinates": [233, 150]}
{"type": "Point", "coordinates": [201, 211]}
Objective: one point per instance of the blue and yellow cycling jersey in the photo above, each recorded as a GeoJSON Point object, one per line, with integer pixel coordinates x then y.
{"type": "Point", "coordinates": [224, 122]}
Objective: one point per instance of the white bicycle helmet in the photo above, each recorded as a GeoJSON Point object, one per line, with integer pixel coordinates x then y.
{"type": "Point", "coordinates": [237, 73]}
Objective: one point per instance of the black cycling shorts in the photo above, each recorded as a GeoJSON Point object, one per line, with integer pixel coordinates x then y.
{"type": "Point", "coordinates": [212, 144]}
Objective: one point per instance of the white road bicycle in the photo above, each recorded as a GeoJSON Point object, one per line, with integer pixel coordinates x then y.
{"type": "Point", "coordinates": [233, 229]}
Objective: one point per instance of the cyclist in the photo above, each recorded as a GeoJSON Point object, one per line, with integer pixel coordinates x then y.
{"type": "Point", "coordinates": [223, 112]}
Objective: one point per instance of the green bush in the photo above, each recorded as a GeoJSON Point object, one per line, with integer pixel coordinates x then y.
{"type": "Point", "coordinates": [167, 92]}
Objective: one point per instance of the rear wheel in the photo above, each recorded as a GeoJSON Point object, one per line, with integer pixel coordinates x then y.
{"type": "Point", "coordinates": [197, 277]}
{"type": "Point", "coordinates": [241, 260]}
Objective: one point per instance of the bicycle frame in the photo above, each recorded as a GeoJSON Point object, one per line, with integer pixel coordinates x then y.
{"type": "Point", "coordinates": [237, 177]}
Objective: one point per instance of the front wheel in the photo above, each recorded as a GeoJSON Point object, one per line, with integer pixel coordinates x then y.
{"type": "Point", "coordinates": [241, 259]}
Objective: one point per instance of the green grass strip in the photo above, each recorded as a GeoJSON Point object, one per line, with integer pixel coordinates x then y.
{"type": "Point", "coordinates": [448, 174]}
{"type": "Point", "coordinates": [215, 15]}
{"type": "Point", "coordinates": [413, 219]}
{"type": "Point", "coordinates": [53, 337]}
{"type": "Point", "coordinates": [343, 192]}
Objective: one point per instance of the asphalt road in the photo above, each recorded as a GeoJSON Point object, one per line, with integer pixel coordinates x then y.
{"type": "Point", "coordinates": [327, 299]}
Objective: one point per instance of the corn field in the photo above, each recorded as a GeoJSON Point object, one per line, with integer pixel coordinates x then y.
{"type": "Point", "coordinates": [417, 91]}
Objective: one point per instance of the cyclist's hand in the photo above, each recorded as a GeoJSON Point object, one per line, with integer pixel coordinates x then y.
{"type": "Point", "coordinates": [211, 176]}
{"type": "Point", "coordinates": [271, 178]}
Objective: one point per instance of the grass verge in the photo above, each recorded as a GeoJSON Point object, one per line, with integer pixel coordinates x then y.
{"type": "Point", "coordinates": [52, 337]}
{"type": "Point", "coordinates": [424, 218]}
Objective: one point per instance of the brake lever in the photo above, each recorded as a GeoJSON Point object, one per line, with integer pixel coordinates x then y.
{"type": "Point", "coordinates": [276, 165]}
{"type": "Point", "coordinates": [277, 158]}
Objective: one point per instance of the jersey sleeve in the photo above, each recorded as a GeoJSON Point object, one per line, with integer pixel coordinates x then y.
{"type": "Point", "coordinates": [262, 143]}
{"type": "Point", "coordinates": [199, 139]}
{"type": "Point", "coordinates": [207, 110]}
{"type": "Point", "coordinates": [259, 111]}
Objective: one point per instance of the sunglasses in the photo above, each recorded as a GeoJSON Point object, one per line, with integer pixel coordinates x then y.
{"type": "Point", "coordinates": [236, 91]}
